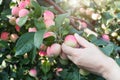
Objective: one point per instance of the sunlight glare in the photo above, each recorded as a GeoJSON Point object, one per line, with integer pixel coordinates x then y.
{"type": "Point", "coordinates": [73, 3]}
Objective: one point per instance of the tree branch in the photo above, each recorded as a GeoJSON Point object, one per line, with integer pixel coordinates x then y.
{"type": "Point", "coordinates": [51, 2]}
{"type": "Point", "coordinates": [61, 11]}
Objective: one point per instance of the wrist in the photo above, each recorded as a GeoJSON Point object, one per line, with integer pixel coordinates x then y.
{"type": "Point", "coordinates": [110, 70]}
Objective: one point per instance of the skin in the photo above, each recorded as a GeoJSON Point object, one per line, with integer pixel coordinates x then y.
{"type": "Point", "coordinates": [90, 58]}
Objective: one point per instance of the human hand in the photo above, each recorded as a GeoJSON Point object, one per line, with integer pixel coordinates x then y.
{"type": "Point", "coordinates": [89, 57]}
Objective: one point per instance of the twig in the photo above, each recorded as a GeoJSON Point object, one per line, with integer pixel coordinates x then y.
{"type": "Point", "coordinates": [61, 11]}
{"type": "Point", "coordinates": [81, 20]}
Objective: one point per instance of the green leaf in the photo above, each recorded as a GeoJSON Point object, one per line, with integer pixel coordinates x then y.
{"type": "Point", "coordinates": [100, 42]}
{"type": "Point", "coordinates": [38, 38]}
{"type": "Point", "coordinates": [118, 15]}
{"type": "Point", "coordinates": [76, 75]}
{"type": "Point", "coordinates": [22, 21]}
{"type": "Point", "coordinates": [63, 62]}
{"type": "Point", "coordinates": [4, 76]}
{"type": "Point", "coordinates": [60, 18]}
{"type": "Point", "coordinates": [100, 78]}
{"type": "Point", "coordinates": [39, 24]}
{"type": "Point", "coordinates": [29, 78]}
{"type": "Point", "coordinates": [70, 75]}
{"type": "Point", "coordinates": [20, 73]}
{"type": "Point", "coordinates": [118, 61]}
{"type": "Point", "coordinates": [64, 73]}
{"type": "Point", "coordinates": [33, 54]}
{"type": "Point", "coordinates": [92, 38]}
{"type": "Point", "coordinates": [49, 40]}
{"type": "Point", "coordinates": [108, 49]}
{"type": "Point", "coordinates": [25, 43]}
{"type": "Point", "coordinates": [106, 17]}
{"type": "Point", "coordinates": [3, 44]}
{"type": "Point", "coordinates": [4, 13]}
{"type": "Point", "coordinates": [45, 67]}
{"type": "Point", "coordinates": [117, 4]}
{"type": "Point", "coordinates": [24, 61]}
{"type": "Point", "coordinates": [72, 30]}
{"type": "Point", "coordinates": [37, 11]}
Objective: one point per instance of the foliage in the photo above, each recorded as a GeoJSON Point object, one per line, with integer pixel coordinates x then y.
{"type": "Point", "coordinates": [19, 57]}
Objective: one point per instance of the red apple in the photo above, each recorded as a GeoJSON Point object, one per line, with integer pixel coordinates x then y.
{"type": "Point", "coordinates": [71, 41]}
{"type": "Point", "coordinates": [54, 50]}
{"type": "Point", "coordinates": [4, 36]}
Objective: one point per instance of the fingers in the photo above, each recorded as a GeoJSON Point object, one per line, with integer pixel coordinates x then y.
{"type": "Point", "coordinates": [83, 42]}
{"type": "Point", "coordinates": [69, 50]}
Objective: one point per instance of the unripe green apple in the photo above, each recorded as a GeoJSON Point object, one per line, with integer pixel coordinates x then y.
{"type": "Point", "coordinates": [25, 55]}
{"type": "Point", "coordinates": [114, 34]}
{"type": "Point", "coordinates": [103, 26]}
{"type": "Point", "coordinates": [14, 37]}
{"type": "Point", "coordinates": [12, 20]}
{"type": "Point", "coordinates": [83, 72]}
{"type": "Point", "coordinates": [118, 38]}
{"type": "Point", "coordinates": [107, 31]}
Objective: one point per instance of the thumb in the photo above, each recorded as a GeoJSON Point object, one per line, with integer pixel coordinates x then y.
{"type": "Point", "coordinates": [69, 50]}
{"type": "Point", "coordinates": [83, 42]}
